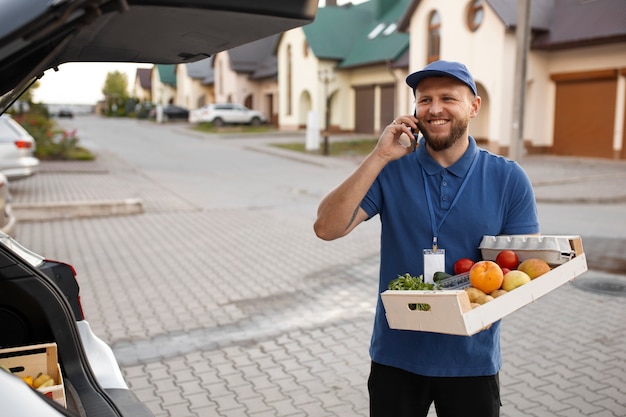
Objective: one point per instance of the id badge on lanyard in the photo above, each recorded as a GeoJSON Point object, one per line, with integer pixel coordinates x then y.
{"type": "Point", "coordinates": [434, 261]}
{"type": "Point", "coordinates": [435, 257]}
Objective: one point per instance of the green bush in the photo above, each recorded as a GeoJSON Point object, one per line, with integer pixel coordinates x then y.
{"type": "Point", "coordinates": [52, 143]}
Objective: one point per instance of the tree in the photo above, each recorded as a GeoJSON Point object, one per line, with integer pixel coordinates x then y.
{"type": "Point", "coordinates": [27, 96]}
{"type": "Point", "coordinates": [115, 90]}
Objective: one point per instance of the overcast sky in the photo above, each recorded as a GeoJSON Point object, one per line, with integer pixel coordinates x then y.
{"type": "Point", "coordinates": [80, 83]}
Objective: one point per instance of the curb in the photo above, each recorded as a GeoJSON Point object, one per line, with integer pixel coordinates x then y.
{"type": "Point", "coordinates": [33, 212]}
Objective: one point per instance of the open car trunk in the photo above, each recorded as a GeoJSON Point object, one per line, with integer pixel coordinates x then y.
{"type": "Point", "coordinates": [36, 35]}
{"type": "Point", "coordinates": [40, 305]}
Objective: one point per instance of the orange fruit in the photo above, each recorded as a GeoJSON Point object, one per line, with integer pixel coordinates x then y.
{"type": "Point", "coordinates": [486, 276]}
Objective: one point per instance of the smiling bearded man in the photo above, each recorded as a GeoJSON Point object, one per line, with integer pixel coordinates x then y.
{"type": "Point", "coordinates": [435, 202]}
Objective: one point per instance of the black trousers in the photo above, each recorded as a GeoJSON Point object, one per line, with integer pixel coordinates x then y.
{"type": "Point", "coordinates": [397, 393]}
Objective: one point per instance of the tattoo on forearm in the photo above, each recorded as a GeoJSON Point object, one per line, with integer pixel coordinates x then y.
{"type": "Point", "coordinates": [356, 210]}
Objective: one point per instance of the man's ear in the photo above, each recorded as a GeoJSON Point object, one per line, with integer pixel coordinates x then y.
{"type": "Point", "coordinates": [475, 106]}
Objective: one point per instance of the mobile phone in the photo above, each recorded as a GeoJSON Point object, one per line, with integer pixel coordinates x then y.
{"type": "Point", "coordinates": [416, 135]}
{"type": "Point", "coordinates": [415, 139]}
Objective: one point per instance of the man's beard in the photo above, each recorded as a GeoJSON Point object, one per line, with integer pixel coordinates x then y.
{"type": "Point", "coordinates": [438, 144]}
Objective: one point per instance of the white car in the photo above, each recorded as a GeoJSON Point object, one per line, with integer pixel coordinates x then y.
{"type": "Point", "coordinates": [17, 150]}
{"type": "Point", "coordinates": [223, 114]}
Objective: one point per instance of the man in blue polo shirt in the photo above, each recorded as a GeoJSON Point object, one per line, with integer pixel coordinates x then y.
{"type": "Point", "coordinates": [435, 199]}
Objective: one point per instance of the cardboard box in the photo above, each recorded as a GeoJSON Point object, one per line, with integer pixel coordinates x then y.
{"type": "Point", "coordinates": [450, 312]}
{"type": "Point", "coordinates": [31, 360]}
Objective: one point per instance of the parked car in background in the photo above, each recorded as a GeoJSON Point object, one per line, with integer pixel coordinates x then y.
{"type": "Point", "coordinates": [228, 113]}
{"type": "Point", "coordinates": [173, 112]}
{"type": "Point", "coordinates": [66, 113]}
{"type": "Point", "coordinates": [17, 150]}
{"type": "Point", "coordinates": [39, 298]}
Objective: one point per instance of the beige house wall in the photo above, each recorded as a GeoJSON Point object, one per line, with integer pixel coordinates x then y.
{"type": "Point", "coordinates": [225, 79]}
{"type": "Point", "coordinates": [140, 93]}
{"type": "Point", "coordinates": [257, 90]}
{"type": "Point", "coordinates": [265, 91]}
{"type": "Point", "coordinates": [184, 88]}
{"type": "Point", "coordinates": [190, 93]}
{"type": "Point", "coordinates": [233, 87]}
{"type": "Point", "coordinates": [307, 92]}
{"type": "Point", "coordinates": [405, 101]}
{"type": "Point", "coordinates": [203, 94]}
{"type": "Point", "coordinates": [161, 93]}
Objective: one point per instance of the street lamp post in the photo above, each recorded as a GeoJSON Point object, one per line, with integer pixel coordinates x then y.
{"type": "Point", "coordinates": [326, 76]}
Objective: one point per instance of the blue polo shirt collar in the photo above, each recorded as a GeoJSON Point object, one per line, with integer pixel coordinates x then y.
{"type": "Point", "coordinates": [459, 168]}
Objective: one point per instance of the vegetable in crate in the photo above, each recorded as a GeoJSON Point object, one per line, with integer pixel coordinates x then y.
{"type": "Point", "coordinates": [408, 282]}
{"type": "Point", "coordinates": [440, 276]}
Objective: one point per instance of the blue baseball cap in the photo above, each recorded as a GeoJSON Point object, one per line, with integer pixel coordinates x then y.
{"type": "Point", "coordinates": [443, 69]}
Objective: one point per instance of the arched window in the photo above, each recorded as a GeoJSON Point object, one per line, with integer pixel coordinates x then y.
{"type": "Point", "coordinates": [305, 49]}
{"type": "Point", "coordinates": [434, 36]}
{"type": "Point", "coordinates": [220, 80]}
{"type": "Point", "coordinates": [475, 14]}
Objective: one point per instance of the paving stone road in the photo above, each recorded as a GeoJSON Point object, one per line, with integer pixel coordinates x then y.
{"type": "Point", "coordinates": [243, 312]}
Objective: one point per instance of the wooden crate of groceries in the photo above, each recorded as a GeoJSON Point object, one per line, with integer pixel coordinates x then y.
{"type": "Point", "coordinates": [38, 366]}
{"type": "Point", "coordinates": [450, 310]}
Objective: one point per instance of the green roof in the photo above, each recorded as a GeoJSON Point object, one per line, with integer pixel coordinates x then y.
{"type": "Point", "coordinates": [342, 33]}
{"type": "Point", "coordinates": [167, 74]}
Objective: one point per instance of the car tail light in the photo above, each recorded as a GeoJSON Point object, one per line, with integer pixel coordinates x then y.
{"type": "Point", "coordinates": [23, 144]}
{"type": "Point", "coordinates": [67, 282]}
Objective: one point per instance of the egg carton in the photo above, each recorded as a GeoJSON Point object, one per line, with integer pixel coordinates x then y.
{"type": "Point", "coordinates": [555, 250]}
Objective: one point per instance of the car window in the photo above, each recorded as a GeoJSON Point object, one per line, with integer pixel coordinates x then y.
{"type": "Point", "coordinates": [8, 132]}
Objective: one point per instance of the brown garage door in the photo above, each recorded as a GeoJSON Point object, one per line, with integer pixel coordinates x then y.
{"type": "Point", "coordinates": [387, 107]}
{"type": "Point", "coordinates": [364, 107]}
{"type": "Point", "coordinates": [585, 114]}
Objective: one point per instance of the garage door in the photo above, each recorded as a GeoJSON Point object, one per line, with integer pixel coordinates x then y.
{"type": "Point", "coordinates": [585, 114]}
{"type": "Point", "coordinates": [387, 108]}
{"type": "Point", "coordinates": [364, 107]}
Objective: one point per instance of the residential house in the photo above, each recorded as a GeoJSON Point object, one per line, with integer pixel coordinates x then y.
{"type": "Point", "coordinates": [200, 88]}
{"type": "Point", "coordinates": [247, 75]}
{"type": "Point", "coordinates": [575, 87]}
{"type": "Point", "coordinates": [142, 89]}
{"type": "Point", "coordinates": [164, 84]}
{"type": "Point", "coordinates": [347, 67]}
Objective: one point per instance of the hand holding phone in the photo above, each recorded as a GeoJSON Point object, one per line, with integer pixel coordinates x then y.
{"type": "Point", "coordinates": [409, 141]}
